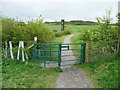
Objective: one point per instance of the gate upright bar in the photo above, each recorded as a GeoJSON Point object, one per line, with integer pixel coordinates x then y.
{"type": "Point", "coordinates": [59, 55]}
{"type": "Point", "coordinates": [83, 47]}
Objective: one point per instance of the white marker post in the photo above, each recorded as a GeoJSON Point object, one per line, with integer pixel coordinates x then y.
{"type": "Point", "coordinates": [23, 57]}
{"type": "Point", "coordinates": [21, 45]}
{"type": "Point", "coordinates": [26, 56]}
{"type": "Point", "coordinates": [18, 55]}
{"type": "Point", "coordinates": [11, 53]}
{"type": "Point", "coordinates": [35, 39]}
{"type": "Point", "coordinates": [6, 50]}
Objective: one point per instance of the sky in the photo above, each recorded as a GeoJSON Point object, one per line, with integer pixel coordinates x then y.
{"type": "Point", "coordinates": [55, 10]}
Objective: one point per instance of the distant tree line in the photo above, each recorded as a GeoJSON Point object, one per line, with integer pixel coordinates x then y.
{"type": "Point", "coordinates": [74, 22]}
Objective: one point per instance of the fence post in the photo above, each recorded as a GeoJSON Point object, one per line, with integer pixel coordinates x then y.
{"type": "Point", "coordinates": [59, 55]}
{"type": "Point", "coordinates": [23, 55]}
{"type": "Point", "coordinates": [83, 47]}
{"type": "Point", "coordinates": [11, 53]}
{"type": "Point", "coordinates": [87, 50]}
{"type": "Point", "coordinates": [6, 50]}
{"type": "Point", "coordinates": [62, 24]}
{"type": "Point", "coordinates": [18, 54]}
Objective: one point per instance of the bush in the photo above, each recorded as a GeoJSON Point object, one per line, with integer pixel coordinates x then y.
{"type": "Point", "coordinates": [15, 31]}
{"type": "Point", "coordinates": [64, 32]}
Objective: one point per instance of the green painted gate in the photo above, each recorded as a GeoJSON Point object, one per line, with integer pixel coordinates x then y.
{"type": "Point", "coordinates": [56, 54]}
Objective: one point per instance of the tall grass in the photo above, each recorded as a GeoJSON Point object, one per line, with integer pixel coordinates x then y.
{"type": "Point", "coordinates": [17, 74]}
{"type": "Point", "coordinates": [103, 73]}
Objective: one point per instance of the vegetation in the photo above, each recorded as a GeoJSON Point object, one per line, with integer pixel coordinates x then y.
{"type": "Point", "coordinates": [15, 31]}
{"type": "Point", "coordinates": [53, 26]}
{"type": "Point", "coordinates": [64, 32]}
{"type": "Point", "coordinates": [100, 40]}
{"type": "Point", "coordinates": [101, 45]}
{"type": "Point", "coordinates": [102, 73]}
{"type": "Point", "coordinates": [17, 74]}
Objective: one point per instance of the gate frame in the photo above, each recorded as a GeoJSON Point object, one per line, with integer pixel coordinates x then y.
{"type": "Point", "coordinates": [82, 50]}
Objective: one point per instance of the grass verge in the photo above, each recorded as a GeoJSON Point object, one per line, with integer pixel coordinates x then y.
{"type": "Point", "coordinates": [18, 74]}
{"type": "Point", "coordinates": [59, 39]}
{"type": "Point", "coordinates": [102, 73]}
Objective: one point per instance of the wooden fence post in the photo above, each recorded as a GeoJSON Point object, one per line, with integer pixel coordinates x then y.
{"type": "Point", "coordinates": [35, 39]}
{"type": "Point", "coordinates": [6, 50]}
{"type": "Point", "coordinates": [87, 51]}
{"type": "Point", "coordinates": [18, 55]}
{"type": "Point", "coordinates": [11, 53]}
{"type": "Point", "coordinates": [23, 56]}
{"type": "Point", "coordinates": [62, 24]}
{"type": "Point", "coordinates": [21, 46]}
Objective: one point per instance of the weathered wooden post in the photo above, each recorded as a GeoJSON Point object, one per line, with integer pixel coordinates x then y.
{"type": "Point", "coordinates": [6, 50]}
{"type": "Point", "coordinates": [11, 53]}
{"type": "Point", "coordinates": [21, 47]}
{"type": "Point", "coordinates": [62, 24]}
{"type": "Point", "coordinates": [87, 50]}
{"type": "Point", "coordinates": [35, 39]}
{"type": "Point", "coordinates": [23, 55]}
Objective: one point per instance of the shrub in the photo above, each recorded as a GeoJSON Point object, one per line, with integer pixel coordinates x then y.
{"type": "Point", "coordinates": [64, 32]}
{"type": "Point", "coordinates": [16, 31]}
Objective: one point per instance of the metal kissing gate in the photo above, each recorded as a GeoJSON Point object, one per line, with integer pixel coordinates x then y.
{"type": "Point", "coordinates": [55, 54]}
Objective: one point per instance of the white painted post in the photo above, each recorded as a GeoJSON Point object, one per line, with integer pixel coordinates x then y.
{"type": "Point", "coordinates": [26, 56]}
{"type": "Point", "coordinates": [6, 50]}
{"type": "Point", "coordinates": [22, 44]}
{"type": "Point", "coordinates": [35, 39]}
{"type": "Point", "coordinates": [19, 50]}
{"type": "Point", "coordinates": [11, 53]}
{"type": "Point", "coordinates": [30, 46]}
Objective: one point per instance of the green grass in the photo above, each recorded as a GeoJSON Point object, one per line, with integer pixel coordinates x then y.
{"type": "Point", "coordinates": [75, 39]}
{"type": "Point", "coordinates": [53, 27]}
{"type": "Point", "coordinates": [102, 73]}
{"type": "Point", "coordinates": [59, 39]}
{"type": "Point", "coordinates": [17, 74]}
{"type": "Point", "coordinates": [77, 28]}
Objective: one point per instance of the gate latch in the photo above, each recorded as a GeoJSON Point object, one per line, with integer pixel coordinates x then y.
{"type": "Point", "coordinates": [65, 47]}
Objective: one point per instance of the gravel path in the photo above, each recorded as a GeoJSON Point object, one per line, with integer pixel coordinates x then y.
{"type": "Point", "coordinates": [71, 77]}
{"type": "Point", "coordinates": [68, 52]}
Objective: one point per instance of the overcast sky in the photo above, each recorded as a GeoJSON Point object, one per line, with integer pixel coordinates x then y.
{"type": "Point", "coordinates": [55, 10]}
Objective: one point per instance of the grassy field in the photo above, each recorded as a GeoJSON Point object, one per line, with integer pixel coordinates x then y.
{"type": "Point", "coordinates": [53, 27]}
{"type": "Point", "coordinates": [17, 74]}
{"type": "Point", "coordinates": [74, 28]}
{"type": "Point", "coordinates": [102, 73]}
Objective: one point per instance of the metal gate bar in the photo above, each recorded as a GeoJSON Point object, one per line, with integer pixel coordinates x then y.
{"type": "Point", "coordinates": [50, 53]}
